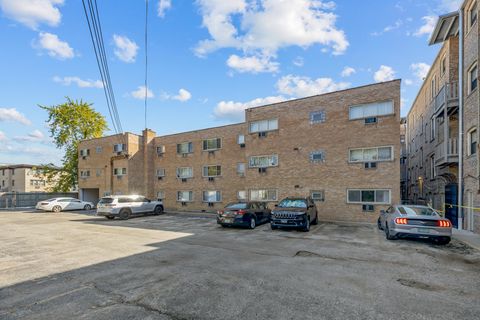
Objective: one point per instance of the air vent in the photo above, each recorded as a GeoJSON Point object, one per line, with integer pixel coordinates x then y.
{"type": "Point", "coordinates": [262, 170]}
{"type": "Point", "coordinates": [160, 155]}
{"type": "Point", "coordinates": [184, 204]}
{"type": "Point", "coordinates": [262, 134]}
{"type": "Point", "coordinates": [368, 207]}
{"type": "Point", "coordinates": [184, 155]}
{"type": "Point", "coordinates": [160, 178]}
{"type": "Point", "coordinates": [184, 180]}
{"type": "Point", "coordinates": [84, 157]}
{"type": "Point", "coordinates": [371, 120]}
{"type": "Point", "coordinates": [211, 152]}
{"type": "Point", "coordinates": [211, 204]}
{"type": "Point", "coordinates": [242, 145]}
{"type": "Point", "coordinates": [211, 179]}
{"type": "Point", "coordinates": [119, 177]}
{"type": "Point", "coordinates": [370, 165]}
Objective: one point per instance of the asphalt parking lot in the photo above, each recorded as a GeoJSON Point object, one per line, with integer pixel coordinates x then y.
{"type": "Point", "coordinates": [78, 266]}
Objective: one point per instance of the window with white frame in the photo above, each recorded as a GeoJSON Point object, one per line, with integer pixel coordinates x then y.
{"type": "Point", "coordinates": [241, 169]}
{"type": "Point", "coordinates": [263, 161]}
{"type": "Point", "coordinates": [161, 172]}
{"type": "Point", "coordinates": [317, 156]}
{"type": "Point", "coordinates": [212, 196]}
{"type": "Point", "coordinates": [370, 196]}
{"type": "Point", "coordinates": [184, 172]}
{"type": "Point", "coordinates": [317, 195]}
{"type": "Point", "coordinates": [317, 116]}
{"type": "Point", "coordinates": [443, 65]}
{"type": "Point", "coordinates": [433, 172]}
{"type": "Point", "coordinates": [263, 125]}
{"type": "Point", "coordinates": [263, 195]}
{"type": "Point", "coordinates": [212, 171]}
{"type": "Point", "coordinates": [433, 86]}
{"type": "Point", "coordinates": [85, 173]}
{"type": "Point", "coordinates": [160, 149]}
{"type": "Point", "coordinates": [98, 149]}
{"type": "Point", "coordinates": [119, 171]}
{"type": "Point", "coordinates": [185, 147]}
{"type": "Point", "coordinates": [472, 78]}
{"type": "Point", "coordinates": [84, 152]}
{"type": "Point", "coordinates": [119, 147]}
{"type": "Point", "coordinates": [161, 195]}
{"type": "Point", "coordinates": [241, 139]}
{"type": "Point", "coordinates": [242, 195]}
{"type": "Point", "coordinates": [432, 129]}
{"type": "Point", "coordinates": [375, 154]}
{"type": "Point", "coordinates": [371, 110]}
{"type": "Point", "coordinates": [472, 141]}
{"type": "Point", "coordinates": [185, 196]}
{"type": "Point", "coordinates": [212, 144]}
{"type": "Point", "coordinates": [472, 14]}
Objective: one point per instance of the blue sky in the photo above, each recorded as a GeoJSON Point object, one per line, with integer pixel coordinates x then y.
{"type": "Point", "coordinates": [208, 59]}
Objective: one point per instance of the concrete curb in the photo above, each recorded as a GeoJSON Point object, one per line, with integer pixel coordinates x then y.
{"type": "Point", "coordinates": [469, 238]}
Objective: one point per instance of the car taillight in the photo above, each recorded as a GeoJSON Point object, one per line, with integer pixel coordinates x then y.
{"type": "Point", "coordinates": [241, 212]}
{"type": "Point", "coordinates": [444, 223]}
{"type": "Point", "coordinates": [401, 221]}
{"type": "Point", "coordinates": [220, 212]}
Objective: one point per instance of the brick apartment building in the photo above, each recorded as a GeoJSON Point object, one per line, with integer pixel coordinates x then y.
{"type": "Point", "coordinates": [22, 178]}
{"type": "Point", "coordinates": [442, 125]}
{"type": "Point", "coordinates": [342, 148]}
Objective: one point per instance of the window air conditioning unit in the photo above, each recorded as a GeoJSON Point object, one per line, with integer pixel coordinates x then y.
{"type": "Point", "coordinates": [371, 120]}
{"type": "Point", "coordinates": [242, 145]}
{"type": "Point", "coordinates": [370, 165]}
{"type": "Point", "coordinates": [368, 207]}
{"type": "Point", "coordinates": [262, 170]}
{"type": "Point", "coordinates": [262, 134]}
{"type": "Point", "coordinates": [211, 179]}
{"type": "Point", "coordinates": [184, 179]}
{"type": "Point", "coordinates": [211, 204]}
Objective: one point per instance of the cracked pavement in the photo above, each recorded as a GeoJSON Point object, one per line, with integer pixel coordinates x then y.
{"type": "Point", "coordinates": [177, 266]}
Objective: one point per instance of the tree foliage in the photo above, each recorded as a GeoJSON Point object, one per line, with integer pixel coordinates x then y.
{"type": "Point", "coordinates": [71, 122]}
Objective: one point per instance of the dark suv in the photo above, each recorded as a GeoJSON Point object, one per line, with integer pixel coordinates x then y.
{"type": "Point", "coordinates": [294, 213]}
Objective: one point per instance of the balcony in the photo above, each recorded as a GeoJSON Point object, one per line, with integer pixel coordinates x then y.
{"type": "Point", "coordinates": [446, 152]}
{"type": "Point", "coordinates": [448, 94]}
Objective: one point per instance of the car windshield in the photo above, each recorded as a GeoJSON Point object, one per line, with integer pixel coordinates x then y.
{"type": "Point", "coordinates": [418, 211]}
{"type": "Point", "coordinates": [292, 203]}
{"type": "Point", "coordinates": [106, 200]}
{"type": "Point", "coordinates": [241, 205]}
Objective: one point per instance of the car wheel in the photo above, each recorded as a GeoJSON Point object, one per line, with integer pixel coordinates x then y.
{"type": "Point", "coordinates": [87, 207]}
{"type": "Point", "coordinates": [124, 214]}
{"type": "Point", "coordinates": [272, 227]}
{"type": "Point", "coordinates": [315, 221]}
{"type": "Point", "coordinates": [379, 224]}
{"type": "Point", "coordinates": [306, 228]}
{"type": "Point", "coordinates": [442, 241]}
{"type": "Point", "coordinates": [158, 210]}
{"type": "Point", "coordinates": [57, 209]}
{"type": "Point", "coordinates": [110, 217]}
{"type": "Point", "coordinates": [252, 223]}
{"type": "Point", "coordinates": [388, 235]}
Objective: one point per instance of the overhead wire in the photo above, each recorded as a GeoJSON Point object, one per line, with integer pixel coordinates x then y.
{"type": "Point", "coordinates": [146, 60]}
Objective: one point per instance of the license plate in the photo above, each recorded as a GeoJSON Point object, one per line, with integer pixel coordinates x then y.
{"type": "Point", "coordinates": [284, 221]}
{"type": "Point", "coordinates": [423, 230]}
{"type": "Point", "coordinates": [227, 220]}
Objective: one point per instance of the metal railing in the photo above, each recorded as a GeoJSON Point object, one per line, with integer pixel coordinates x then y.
{"type": "Point", "coordinates": [448, 93]}
{"type": "Point", "coordinates": [452, 150]}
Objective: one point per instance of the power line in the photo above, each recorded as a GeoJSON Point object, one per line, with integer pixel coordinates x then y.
{"type": "Point", "coordinates": [146, 60]}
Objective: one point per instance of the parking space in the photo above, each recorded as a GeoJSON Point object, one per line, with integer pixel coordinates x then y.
{"type": "Point", "coordinates": [184, 266]}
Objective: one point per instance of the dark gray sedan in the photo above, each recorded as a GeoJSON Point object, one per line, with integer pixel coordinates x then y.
{"type": "Point", "coordinates": [247, 214]}
{"type": "Point", "coordinates": [406, 221]}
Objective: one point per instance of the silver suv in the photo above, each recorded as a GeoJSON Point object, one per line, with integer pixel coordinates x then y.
{"type": "Point", "coordinates": [125, 206]}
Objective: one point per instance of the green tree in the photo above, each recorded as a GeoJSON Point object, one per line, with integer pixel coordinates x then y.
{"type": "Point", "coordinates": [70, 123]}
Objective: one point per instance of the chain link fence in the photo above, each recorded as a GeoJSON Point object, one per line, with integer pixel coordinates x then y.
{"type": "Point", "coordinates": [29, 199]}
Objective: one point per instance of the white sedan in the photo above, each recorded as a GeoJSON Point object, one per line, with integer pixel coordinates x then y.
{"type": "Point", "coordinates": [62, 204]}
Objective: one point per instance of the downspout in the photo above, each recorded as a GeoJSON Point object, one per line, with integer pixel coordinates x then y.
{"type": "Point", "coordinates": [460, 121]}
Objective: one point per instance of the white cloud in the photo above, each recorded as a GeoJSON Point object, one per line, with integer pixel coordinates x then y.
{"type": "Point", "coordinates": [420, 70]}
{"type": "Point", "coordinates": [163, 6]}
{"type": "Point", "coordinates": [348, 71]}
{"type": "Point", "coordinates": [252, 64]}
{"type": "Point", "coordinates": [140, 93]}
{"type": "Point", "coordinates": [298, 61]}
{"type": "Point", "coordinates": [125, 49]}
{"type": "Point", "coordinates": [303, 86]}
{"type": "Point", "coordinates": [235, 111]}
{"type": "Point", "coordinates": [34, 136]}
{"type": "Point", "coordinates": [3, 137]}
{"type": "Point", "coordinates": [67, 81]}
{"type": "Point", "coordinates": [408, 82]}
{"type": "Point", "coordinates": [388, 28]}
{"type": "Point", "coordinates": [263, 27]}
{"type": "Point", "coordinates": [33, 12]}
{"type": "Point", "coordinates": [427, 27]}
{"type": "Point", "coordinates": [385, 73]}
{"type": "Point", "coordinates": [55, 47]}
{"type": "Point", "coordinates": [13, 115]}
{"type": "Point", "coordinates": [183, 95]}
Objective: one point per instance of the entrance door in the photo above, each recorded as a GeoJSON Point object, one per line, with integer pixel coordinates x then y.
{"type": "Point", "coordinates": [451, 197]}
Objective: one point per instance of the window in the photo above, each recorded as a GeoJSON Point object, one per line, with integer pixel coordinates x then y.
{"type": "Point", "coordinates": [84, 152]}
{"type": "Point", "coordinates": [212, 144]}
{"type": "Point", "coordinates": [317, 156]}
{"type": "Point", "coordinates": [433, 88]}
{"type": "Point", "coordinates": [186, 147]}
{"type": "Point", "coordinates": [3, 172]}
{"type": "Point", "coordinates": [371, 110]}
{"type": "Point", "coordinates": [160, 149]}
{"type": "Point", "coordinates": [472, 78]}
{"type": "Point", "coordinates": [13, 172]}
{"type": "Point", "coordinates": [13, 183]}
{"type": "Point", "coordinates": [242, 195]}
{"type": "Point", "coordinates": [317, 195]}
{"type": "Point", "coordinates": [433, 172]}
{"type": "Point", "coordinates": [185, 196]}
{"type": "Point", "coordinates": [85, 174]}
{"type": "Point", "coordinates": [263, 195]}
{"type": "Point", "coordinates": [432, 129]}
{"type": "Point", "coordinates": [185, 172]}
{"type": "Point", "coordinates": [472, 142]}
{"type": "Point", "coordinates": [371, 154]}
{"type": "Point", "coordinates": [212, 171]}
{"type": "Point", "coordinates": [263, 161]}
{"type": "Point", "coordinates": [98, 172]}
{"type": "Point", "coordinates": [98, 149]}
{"type": "Point", "coordinates": [263, 125]}
{"type": "Point", "coordinates": [119, 147]}
{"type": "Point", "coordinates": [368, 196]}
{"type": "Point", "coordinates": [119, 171]}
{"type": "Point", "coordinates": [241, 139]}
{"type": "Point", "coordinates": [241, 169]}
{"type": "Point", "coordinates": [443, 65]}
{"type": "Point", "coordinates": [161, 172]}
{"type": "Point", "coordinates": [317, 117]}
{"type": "Point", "coordinates": [472, 14]}
{"type": "Point", "coordinates": [212, 196]}
{"type": "Point", "coordinates": [161, 195]}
